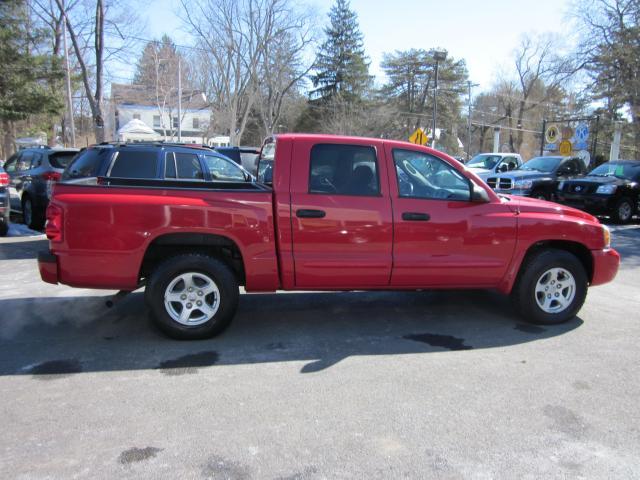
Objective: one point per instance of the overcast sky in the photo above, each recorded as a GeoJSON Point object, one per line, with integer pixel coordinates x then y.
{"type": "Point", "coordinates": [483, 33]}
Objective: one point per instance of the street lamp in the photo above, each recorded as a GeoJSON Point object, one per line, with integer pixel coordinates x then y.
{"type": "Point", "coordinates": [438, 56]}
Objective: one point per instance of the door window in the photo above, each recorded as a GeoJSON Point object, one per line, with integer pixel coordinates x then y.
{"type": "Point", "coordinates": [24, 162]}
{"type": "Point", "coordinates": [224, 170]}
{"type": "Point", "coordinates": [188, 166]}
{"type": "Point", "coordinates": [10, 165]}
{"type": "Point", "coordinates": [421, 175]}
{"type": "Point", "coordinates": [134, 164]}
{"type": "Point", "coordinates": [344, 170]}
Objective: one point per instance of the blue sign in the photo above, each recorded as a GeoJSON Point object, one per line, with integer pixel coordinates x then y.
{"type": "Point", "coordinates": [582, 133]}
{"type": "Point", "coordinates": [581, 145]}
{"type": "Point", "coordinates": [550, 147]}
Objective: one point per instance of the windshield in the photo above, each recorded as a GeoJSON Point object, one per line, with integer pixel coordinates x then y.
{"type": "Point", "coordinates": [484, 161]}
{"type": "Point", "coordinates": [625, 170]}
{"type": "Point", "coordinates": [542, 164]}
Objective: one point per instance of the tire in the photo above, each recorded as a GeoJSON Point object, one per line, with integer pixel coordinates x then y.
{"type": "Point", "coordinates": [540, 195]}
{"type": "Point", "coordinates": [623, 210]}
{"type": "Point", "coordinates": [172, 280]}
{"type": "Point", "coordinates": [539, 277]}
{"type": "Point", "coordinates": [31, 216]}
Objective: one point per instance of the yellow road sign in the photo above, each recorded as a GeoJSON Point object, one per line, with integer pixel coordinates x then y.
{"type": "Point", "coordinates": [565, 148]}
{"type": "Point", "coordinates": [419, 137]}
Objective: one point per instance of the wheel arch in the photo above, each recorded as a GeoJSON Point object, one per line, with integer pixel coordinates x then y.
{"type": "Point", "coordinates": [580, 251]}
{"type": "Point", "coordinates": [171, 244]}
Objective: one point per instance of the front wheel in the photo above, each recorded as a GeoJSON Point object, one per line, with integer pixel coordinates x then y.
{"type": "Point", "coordinates": [623, 211]}
{"type": "Point", "coordinates": [192, 296]}
{"type": "Point", "coordinates": [551, 287]}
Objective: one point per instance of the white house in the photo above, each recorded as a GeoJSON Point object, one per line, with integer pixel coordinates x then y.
{"type": "Point", "coordinates": [139, 102]}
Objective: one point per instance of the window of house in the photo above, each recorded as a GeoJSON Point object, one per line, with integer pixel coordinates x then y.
{"type": "Point", "coordinates": [421, 175]}
{"type": "Point", "coordinates": [196, 122]}
{"type": "Point", "coordinates": [175, 122]}
{"type": "Point", "coordinates": [344, 170]}
{"type": "Point", "coordinates": [134, 164]}
{"type": "Point", "coordinates": [156, 121]}
{"type": "Point", "coordinates": [136, 116]}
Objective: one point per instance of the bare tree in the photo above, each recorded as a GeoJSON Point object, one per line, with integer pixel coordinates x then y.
{"type": "Point", "coordinates": [239, 39]}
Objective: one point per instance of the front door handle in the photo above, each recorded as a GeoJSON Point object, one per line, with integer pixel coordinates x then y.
{"type": "Point", "coordinates": [416, 217]}
{"type": "Point", "coordinates": [308, 213]}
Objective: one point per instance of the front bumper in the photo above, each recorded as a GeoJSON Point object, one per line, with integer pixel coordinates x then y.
{"type": "Point", "coordinates": [605, 265]}
{"type": "Point", "coordinates": [589, 203]}
{"type": "Point", "coordinates": [48, 266]}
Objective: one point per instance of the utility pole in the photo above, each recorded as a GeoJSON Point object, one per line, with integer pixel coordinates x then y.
{"type": "Point", "coordinates": [179, 102]}
{"type": "Point", "coordinates": [439, 56]}
{"type": "Point", "coordinates": [469, 85]}
{"type": "Point", "coordinates": [614, 152]}
{"type": "Point", "coordinates": [72, 127]}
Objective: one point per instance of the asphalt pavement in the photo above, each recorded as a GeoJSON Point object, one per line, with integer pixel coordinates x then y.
{"type": "Point", "coordinates": [317, 385]}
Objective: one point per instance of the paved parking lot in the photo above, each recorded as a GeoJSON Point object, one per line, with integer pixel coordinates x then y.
{"type": "Point", "coordinates": [310, 386]}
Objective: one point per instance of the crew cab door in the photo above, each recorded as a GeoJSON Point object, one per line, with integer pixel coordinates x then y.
{"type": "Point", "coordinates": [341, 214]}
{"type": "Point", "coordinates": [441, 237]}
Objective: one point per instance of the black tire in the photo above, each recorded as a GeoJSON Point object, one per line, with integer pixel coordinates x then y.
{"type": "Point", "coordinates": [540, 195]}
{"type": "Point", "coordinates": [524, 293]}
{"type": "Point", "coordinates": [36, 216]}
{"type": "Point", "coordinates": [4, 228]}
{"type": "Point", "coordinates": [623, 210]}
{"type": "Point", "coordinates": [211, 268]}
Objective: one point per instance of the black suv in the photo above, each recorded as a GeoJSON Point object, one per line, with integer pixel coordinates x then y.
{"type": "Point", "coordinates": [539, 177]}
{"type": "Point", "coordinates": [32, 172]}
{"type": "Point", "coordinates": [119, 162]}
{"type": "Point", "coordinates": [4, 202]}
{"type": "Point", "coordinates": [612, 188]}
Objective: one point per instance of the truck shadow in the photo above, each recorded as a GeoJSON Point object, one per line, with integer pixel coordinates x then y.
{"type": "Point", "coordinates": [22, 248]}
{"type": "Point", "coordinates": [50, 338]}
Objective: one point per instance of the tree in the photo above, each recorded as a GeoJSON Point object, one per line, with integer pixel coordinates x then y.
{"type": "Point", "coordinates": [157, 69]}
{"type": "Point", "coordinates": [237, 41]}
{"type": "Point", "coordinates": [410, 85]}
{"type": "Point", "coordinates": [341, 67]}
{"type": "Point", "coordinates": [609, 52]}
{"type": "Point", "coordinates": [25, 74]}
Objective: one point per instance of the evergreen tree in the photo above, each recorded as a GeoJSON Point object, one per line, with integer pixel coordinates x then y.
{"type": "Point", "coordinates": [25, 75]}
{"type": "Point", "coordinates": [342, 68]}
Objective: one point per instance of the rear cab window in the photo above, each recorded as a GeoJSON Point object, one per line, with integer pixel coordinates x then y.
{"type": "Point", "coordinates": [61, 159]}
{"type": "Point", "coordinates": [342, 169]}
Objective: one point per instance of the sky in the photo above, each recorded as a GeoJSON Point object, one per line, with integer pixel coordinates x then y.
{"type": "Point", "coordinates": [483, 33]}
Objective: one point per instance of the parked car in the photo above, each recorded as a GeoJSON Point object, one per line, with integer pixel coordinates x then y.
{"type": "Point", "coordinates": [328, 220]}
{"type": "Point", "coordinates": [486, 164]}
{"type": "Point", "coordinates": [4, 202]}
{"type": "Point", "coordinates": [32, 172]}
{"type": "Point", "coordinates": [245, 156]}
{"type": "Point", "coordinates": [539, 177]}
{"type": "Point", "coordinates": [612, 188]}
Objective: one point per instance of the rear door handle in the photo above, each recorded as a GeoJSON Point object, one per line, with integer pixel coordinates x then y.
{"type": "Point", "coordinates": [416, 217]}
{"type": "Point", "coordinates": [307, 213]}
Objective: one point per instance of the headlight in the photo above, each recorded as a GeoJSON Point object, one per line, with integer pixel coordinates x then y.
{"type": "Point", "coordinates": [560, 185]}
{"type": "Point", "coordinates": [606, 233]}
{"type": "Point", "coordinates": [607, 189]}
{"type": "Point", "coordinates": [523, 184]}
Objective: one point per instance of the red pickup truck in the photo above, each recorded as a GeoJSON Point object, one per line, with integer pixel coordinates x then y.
{"type": "Point", "coordinates": [327, 213]}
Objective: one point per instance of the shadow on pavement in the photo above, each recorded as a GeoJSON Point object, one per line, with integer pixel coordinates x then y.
{"type": "Point", "coordinates": [50, 338]}
{"type": "Point", "coordinates": [19, 248]}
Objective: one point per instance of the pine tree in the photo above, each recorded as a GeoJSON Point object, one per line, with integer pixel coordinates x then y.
{"type": "Point", "coordinates": [24, 74]}
{"type": "Point", "coordinates": [342, 68]}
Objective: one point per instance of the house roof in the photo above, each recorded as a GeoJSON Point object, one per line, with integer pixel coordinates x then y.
{"type": "Point", "coordinates": [124, 94]}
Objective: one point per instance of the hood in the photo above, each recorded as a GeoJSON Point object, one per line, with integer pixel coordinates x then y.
{"type": "Point", "coordinates": [595, 180]}
{"type": "Point", "coordinates": [479, 170]}
{"type": "Point", "coordinates": [532, 205]}
{"type": "Point", "coordinates": [522, 174]}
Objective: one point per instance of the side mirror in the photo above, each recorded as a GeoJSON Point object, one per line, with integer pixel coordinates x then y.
{"type": "Point", "coordinates": [503, 168]}
{"type": "Point", "coordinates": [479, 194]}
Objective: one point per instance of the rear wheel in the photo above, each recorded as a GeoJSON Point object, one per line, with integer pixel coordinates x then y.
{"type": "Point", "coordinates": [31, 216]}
{"type": "Point", "coordinates": [623, 210]}
{"type": "Point", "coordinates": [192, 296]}
{"type": "Point", "coordinates": [551, 287]}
